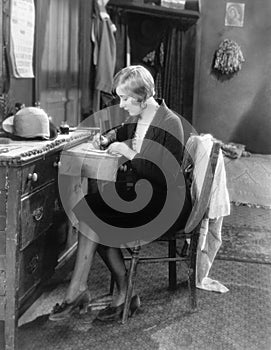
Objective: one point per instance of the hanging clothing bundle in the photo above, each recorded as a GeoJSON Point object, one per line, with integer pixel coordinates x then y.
{"type": "Point", "coordinates": [146, 37]}
{"type": "Point", "coordinates": [104, 51]}
{"type": "Point", "coordinates": [228, 57]}
{"type": "Point", "coordinates": [167, 50]}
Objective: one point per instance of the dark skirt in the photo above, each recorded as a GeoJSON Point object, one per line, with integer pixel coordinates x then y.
{"type": "Point", "coordinates": [120, 214]}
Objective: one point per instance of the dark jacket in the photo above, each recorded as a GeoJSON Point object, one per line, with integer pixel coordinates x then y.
{"type": "Point", "coordinates": [164, 137]}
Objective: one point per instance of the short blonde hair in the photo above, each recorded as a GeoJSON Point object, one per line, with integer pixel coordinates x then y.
{"type": "Point", "coordinates": [137, 81]}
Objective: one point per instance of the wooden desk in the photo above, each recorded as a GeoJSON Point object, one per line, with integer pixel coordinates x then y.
{"type": "Point", "coordinates": [28, 203]}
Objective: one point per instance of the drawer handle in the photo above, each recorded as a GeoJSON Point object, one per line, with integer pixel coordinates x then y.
{"type": "Point", "coordinates": [33, 177]}
{"type": "Point", "coordinates": [57, 164]}
{"type": "Point", "coordinates": [33, 264]}
{"type": "Point", "coordinates": [38, 213]}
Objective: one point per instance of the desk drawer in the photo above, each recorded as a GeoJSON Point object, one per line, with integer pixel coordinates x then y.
{"type": "Point", "coordinates": [37, 211]}
{"type": "Point", "coordinates": [36, 264]}
{"type": "Point", "coordinates": [40, 172]}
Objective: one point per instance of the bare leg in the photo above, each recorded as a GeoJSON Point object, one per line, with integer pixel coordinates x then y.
{"type": "Point", "coordinates": [113, 259]}
{"type": "Point", "coordinates": [85, 253]}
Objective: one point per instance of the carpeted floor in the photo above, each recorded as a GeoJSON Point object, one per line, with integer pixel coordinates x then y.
{"type": "Point", "coordinates": [239, 319]}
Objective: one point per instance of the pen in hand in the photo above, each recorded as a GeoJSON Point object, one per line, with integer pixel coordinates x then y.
{"type": "Point", "coordinates": [100, 141]}
{"type": "Point", "coordinates": [100, 136]}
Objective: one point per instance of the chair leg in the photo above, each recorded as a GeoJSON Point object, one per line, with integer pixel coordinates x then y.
{"type": "Point", "coordinates": [130, 283]}
{"type": "Point", "coordinates": [192, 289]}
{"type": "Point", "coordinates": [184, 251]}
{"type": "Point", "coordinates": [192, 274]}
{"type": "Point", "coordinates": [112, 283]}
{"type": "Point", "coordinates": [172, 269]}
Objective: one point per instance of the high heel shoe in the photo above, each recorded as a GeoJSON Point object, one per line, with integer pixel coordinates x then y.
{"type": "Point", "coordinates": [135, 305]}
{"type": "Point", "coordinates": [65, 309]}
{"type": "Point", "coordinates": [114, 313]}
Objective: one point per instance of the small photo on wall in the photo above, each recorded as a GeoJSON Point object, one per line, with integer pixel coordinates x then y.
{"type": "Point", "coordinates": [234, 14]}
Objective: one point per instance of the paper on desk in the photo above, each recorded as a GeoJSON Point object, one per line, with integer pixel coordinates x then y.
{"type": "Point", "coordinates": [94, 150]}
{"type": "Point", "coordinates": [89, 148]}
{"type": "Point", "coordinates": [87, 161]}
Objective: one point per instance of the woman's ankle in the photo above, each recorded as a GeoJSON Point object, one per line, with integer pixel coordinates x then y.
{"type": "Point", "coordinates": [71, 295]}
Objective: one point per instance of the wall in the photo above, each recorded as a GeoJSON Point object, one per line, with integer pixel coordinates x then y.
{"type": "Point", "coordinates": [59, 75]}
{"type": "Point", "coordinates": [238, 109]}
{"type": "Point", "coordinates": [19, 90]}
{"type": "Point", "coordinates": [22, 90]}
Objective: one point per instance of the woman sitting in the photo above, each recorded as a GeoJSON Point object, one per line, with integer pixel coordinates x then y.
{"type": "Point", "coordinates": [148, 198]}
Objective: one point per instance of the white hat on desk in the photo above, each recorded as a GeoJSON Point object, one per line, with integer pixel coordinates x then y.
{"type": "Point", "coordinates": [30, 123]}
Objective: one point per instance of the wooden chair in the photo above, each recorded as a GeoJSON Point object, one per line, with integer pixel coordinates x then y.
{"type": "Point", "coordinates": [189, 233]}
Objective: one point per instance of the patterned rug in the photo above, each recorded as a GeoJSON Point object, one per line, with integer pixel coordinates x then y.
{"type": "Point", "coordinates": [248, 179]}
{"type": "Point", "coordinates": [248, 244]}
{"type": "Point", "coordinates": [246, 235]}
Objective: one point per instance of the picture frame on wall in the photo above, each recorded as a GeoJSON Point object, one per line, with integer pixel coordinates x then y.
{"type": "Point", "coordinates": [235, 13]}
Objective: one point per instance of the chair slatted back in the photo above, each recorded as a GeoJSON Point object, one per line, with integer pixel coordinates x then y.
{"type": "Point", "coordinates": [201, 205]}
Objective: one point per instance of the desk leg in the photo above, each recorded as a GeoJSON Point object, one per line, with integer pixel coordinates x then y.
{"type": "Point", "coordinates": [11, 330]}
{"type": "Point", "coordinates": [12, 260]}
{"type": "Point", "coordinates": [2, 334]}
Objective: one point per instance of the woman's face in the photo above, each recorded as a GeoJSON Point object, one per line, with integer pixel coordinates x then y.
{"type": "Point", "coordinates": [128, 103]}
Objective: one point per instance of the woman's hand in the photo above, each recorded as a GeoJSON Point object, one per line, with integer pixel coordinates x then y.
{"type": "Point", "coordinates": [121, 148]}
{"type": "Point", "coordinates": [99, 141]}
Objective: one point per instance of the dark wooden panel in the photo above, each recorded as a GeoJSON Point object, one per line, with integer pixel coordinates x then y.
{"type": "Point", "coordinates": [2, 329]}
{"type": "Point", "coordinates": [3, 172]}
{"type": "Point", "coordinates": [3, 202]}
{"type": "Point", "coordinates": [36, 264]}
{"type": "Point", "coordinates": [2, 262]}
{"type": "Point", "coordinates": [45, 170]}
{"type": "Point", "coordinates": [2, 243]}
{"type": "Point", "coordinates": [31, 267]}
{"type": "Point", "coordinates": [37, 211]}
{"type": "Point", "coordinates": [2, 283]}
{"type": "Point", "coordinates": [2, 222]}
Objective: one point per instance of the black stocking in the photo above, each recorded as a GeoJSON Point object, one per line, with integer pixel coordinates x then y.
{"type": "Point", "coordinates": [113, 259]}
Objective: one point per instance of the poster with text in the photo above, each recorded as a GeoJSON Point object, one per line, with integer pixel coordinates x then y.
{"type": "Point", "coordinates": [22, 28]}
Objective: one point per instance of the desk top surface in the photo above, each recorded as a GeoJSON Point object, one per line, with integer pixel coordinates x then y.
{"type": "Point", "coordinates": [19, 151]}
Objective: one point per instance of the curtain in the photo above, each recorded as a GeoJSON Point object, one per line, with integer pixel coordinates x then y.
{"type": "Point", "coordinates": [172, 76]}
{"type": "Point", "coordinates": [178, 69]}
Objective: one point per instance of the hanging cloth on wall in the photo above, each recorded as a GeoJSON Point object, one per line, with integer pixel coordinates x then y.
{"type": "Point", "coordinates": [173, 69]}
{"type": "Point", "coordinates": [104, 52]}
{"type": "Point", "coordinates": [178, 69]}
{"type": "Point", "coordinates": [167, 50]}
{"type": "Point", "coordinates": [146, 38]}
{"type": "Point", "coordinates": [5, 59]}
{"type": "Point", "coordinates": [120, 38]}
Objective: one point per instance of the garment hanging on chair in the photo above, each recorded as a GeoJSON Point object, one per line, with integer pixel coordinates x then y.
{"type": "Point", "coordinates": [198, 149]}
